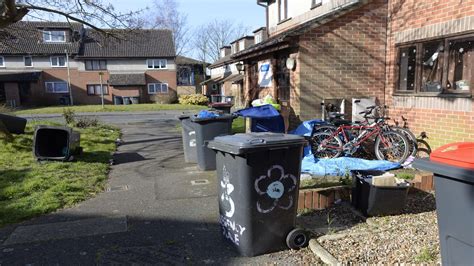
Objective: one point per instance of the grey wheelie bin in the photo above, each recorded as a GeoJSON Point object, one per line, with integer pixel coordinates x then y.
{"type": "Point", "coordinates": [207, 129]}
{"type": "Point", "coordinates": [258, 176]}
{"type": "Point", "coordinates": [189, 139]}
{"type": "Point", "coordinates": [453, 168]}
{"type": "Point", "coordinates": [56, 143]}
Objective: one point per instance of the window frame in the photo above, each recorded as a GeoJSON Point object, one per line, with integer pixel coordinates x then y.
{"type": "Point", "coordinates": [316, 3]}
{"type": "Point", "coordinates": [49, 33]}
{"type": "Point", "coordinates": [445, 92]}
{"type": "Point", "coordinates": [92, 64]}
{"type": "Point", "coordinates": [3, 61]}
{"type": "Point", "coordinates": [155, 89]}
{"type": "Point", "coordinates": [58, 56]}
{"type": "Point", "coordinates": [153, 66]}
{"type": "Point", "coordinates": [282, 4]}
{"type": "Point", "coordinates": [106, 92]}
{"type": "Point", "coordinates": [24, 60]}
{"type": "Point", "coordinates": [258, 38]}
{"type": "Point", "coordinates": [54, 91]}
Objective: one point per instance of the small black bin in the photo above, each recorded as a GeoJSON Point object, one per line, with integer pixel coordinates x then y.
{"type": "Point", "coordinates": [259, 176]}
{"type": "Point", "coordinates": [55, 143]}
{"type": "Point", "coordinates": [207, 129]}
{"type": "Point", "coordinates": [14, 124]}
{"type": "Point", "coordinates": [376, 200]}
{"type": "Point", "coordinates": [188, 133]}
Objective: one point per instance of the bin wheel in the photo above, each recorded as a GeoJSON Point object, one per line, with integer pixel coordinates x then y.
{"type": "Point", "coordinates": [297, 238]}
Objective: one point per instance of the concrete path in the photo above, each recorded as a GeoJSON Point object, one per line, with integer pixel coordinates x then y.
{"type": "Point", "coordinates": [151, 213]}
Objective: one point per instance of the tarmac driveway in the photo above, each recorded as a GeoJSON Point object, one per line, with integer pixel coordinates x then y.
{"type": "Point", "coordinates": [156, 210]}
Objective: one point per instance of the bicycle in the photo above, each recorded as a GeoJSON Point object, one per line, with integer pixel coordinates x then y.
{"type": "Point", "coordinates": [389, 144]}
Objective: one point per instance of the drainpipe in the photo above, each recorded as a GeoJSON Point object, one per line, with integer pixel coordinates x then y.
{"type": "Point", "coordinates": [101, 89]}
{"type": "Point", "coordinates": [69, 77]}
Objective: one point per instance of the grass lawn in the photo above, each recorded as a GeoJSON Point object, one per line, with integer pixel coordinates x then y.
{"type": "Point", "coordinates": [110, 108]}
{"type": "Point", "coordinates": [29, 188]}
{"type": "Point", "coordinates": [238, 126]}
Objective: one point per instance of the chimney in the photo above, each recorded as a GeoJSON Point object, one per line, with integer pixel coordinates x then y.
{"type": "Point", "coordinates": [224, 51]}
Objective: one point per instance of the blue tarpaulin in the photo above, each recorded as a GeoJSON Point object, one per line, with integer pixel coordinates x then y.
{"type": "Point", "coordinates": [306, 127]}
{"type": "Point", "coordinates": [265, 118]}
{"type": "Point", "coordinates": [264, 111]}
{"type": "Point", "coordinates": [341, 166]}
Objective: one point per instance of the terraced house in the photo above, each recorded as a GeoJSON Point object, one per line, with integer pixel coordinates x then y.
{"type": "Point", "coordinates": [416, 56]}
{"type": "Point", "coordinates": [52, 63]}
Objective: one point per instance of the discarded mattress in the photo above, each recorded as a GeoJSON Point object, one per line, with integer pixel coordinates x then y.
{"type": "Point", "coordinates": [343, 165]}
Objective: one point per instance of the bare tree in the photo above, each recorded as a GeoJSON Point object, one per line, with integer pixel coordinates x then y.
{"type": "Point", "coordinates": [209, 38]}
{"type": "Point", "coordinates": [166, 15]}
{"type": "Point", "coordinates": [92, 13]}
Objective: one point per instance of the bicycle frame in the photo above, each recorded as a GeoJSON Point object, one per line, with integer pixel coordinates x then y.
{"type": "Point", "coordinates": [372, 130]}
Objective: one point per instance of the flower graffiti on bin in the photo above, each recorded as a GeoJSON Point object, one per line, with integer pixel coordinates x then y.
{"type": "Point", "coordinates": [275, 190]}
{"type": "Point", "coordinates": [227, 188]}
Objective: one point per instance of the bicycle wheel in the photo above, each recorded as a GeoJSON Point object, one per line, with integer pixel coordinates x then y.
{"type": "Point", "coordinates": [325, 145]}
{"type": "Point", "coordinates": [392, 146]}
{"type": "Point", "coordinates": [412, 141]}
{"type": "Point", "coordinates": [323, 128]}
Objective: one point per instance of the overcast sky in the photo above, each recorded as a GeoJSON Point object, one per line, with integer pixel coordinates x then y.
{"type": "Point", "coordinates": [202, 11]}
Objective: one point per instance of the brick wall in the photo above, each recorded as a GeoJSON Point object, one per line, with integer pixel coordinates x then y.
{"type": "Point", "coordinates": [444, 119]}
{"type": "Point", "coordinates": [344, 58]}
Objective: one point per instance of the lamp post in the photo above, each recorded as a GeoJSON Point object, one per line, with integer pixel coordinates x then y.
{"type": "Point", "coordinates": [101, 89]}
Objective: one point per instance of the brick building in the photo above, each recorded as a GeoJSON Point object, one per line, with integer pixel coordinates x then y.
{"type": "Point", "coordinates": [430, 67]}
{"type": "Point", "coordinates": [51, 63]}
{"type": "Point", "coordinates": [415, 56]}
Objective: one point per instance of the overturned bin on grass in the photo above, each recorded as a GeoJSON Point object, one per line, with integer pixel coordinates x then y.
{"type": "Point", "coordinates": [14, 124]}
{"type": "Point", "coordinates": [258, 192]}
{"type": "Point", "coordinates": [56, 143]}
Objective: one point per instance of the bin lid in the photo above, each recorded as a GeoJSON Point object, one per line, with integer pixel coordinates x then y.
{"type": "Point", "coordinates": [460, 154]}
{"type": "Point", "coordinates": [244, 143]}
{"type": "Point", "coordinates": [441, 169]}
{"type": "Point", "coordinates": [196, 119]}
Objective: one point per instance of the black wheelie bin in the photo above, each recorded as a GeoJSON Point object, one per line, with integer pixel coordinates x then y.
{"type": "Point", "coordinates": [453, 169]}
{"type": "Point", "coordinates": [259, 176]}
{"type": "Point", "coordinates": [207, 129]}
{"type": "Point", "coordinates": [188, 133]}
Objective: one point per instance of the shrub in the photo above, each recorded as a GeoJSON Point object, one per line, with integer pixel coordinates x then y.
{"type": "Point", "coordinates": [193, 99]}
{"type": "Point", "coordinates": [69, 116]}
{"type": "Point", "coordinates": [85, 122]}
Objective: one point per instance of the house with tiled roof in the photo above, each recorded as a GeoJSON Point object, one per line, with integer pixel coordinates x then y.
{"type": "Point", "coordinates": [50, 63]}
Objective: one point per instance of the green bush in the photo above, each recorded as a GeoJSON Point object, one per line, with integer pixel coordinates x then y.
{"type": "Point", "coordinates": [193, 99]}
{"type": "Point", "coordinates": [69, 116]}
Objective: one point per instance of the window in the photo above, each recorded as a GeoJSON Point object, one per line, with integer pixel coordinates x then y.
{"type": "Point", "coordinates": [440, 66]}
{"type": "Point", "coordinates": [56, 87]}
{"type": "Point", "coordinates": [157, 63]}
{"type": "Point", "coordinates": [2, 61]}
{"type": "Point", "coordinates": [282, 10]}
{"type": "Point", "coordinates": [54, 36]}
{"type": "Point", "coordinates": [28, 61]}
{"type": "Point", "coordinates": [316, 3]}
{"type": "Point", "coordinates": [241, 45]}
{"type": "Point", "coordinates": [94, 89]}
{"type": "Point", "coordinates": [233, 48]}
{"type": "Point", "coordinates": [258, 38]}
{"type": "Point", "coordinates": [58, 61]}
{"type": "Point", "coordinates": [154, 88]}
{"type": "Point", "coordinates": [460, 76]}
{"type": "Point", "coordinates": [96, 64]}
{"type": "Point", "coordinates": [407, 67]}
